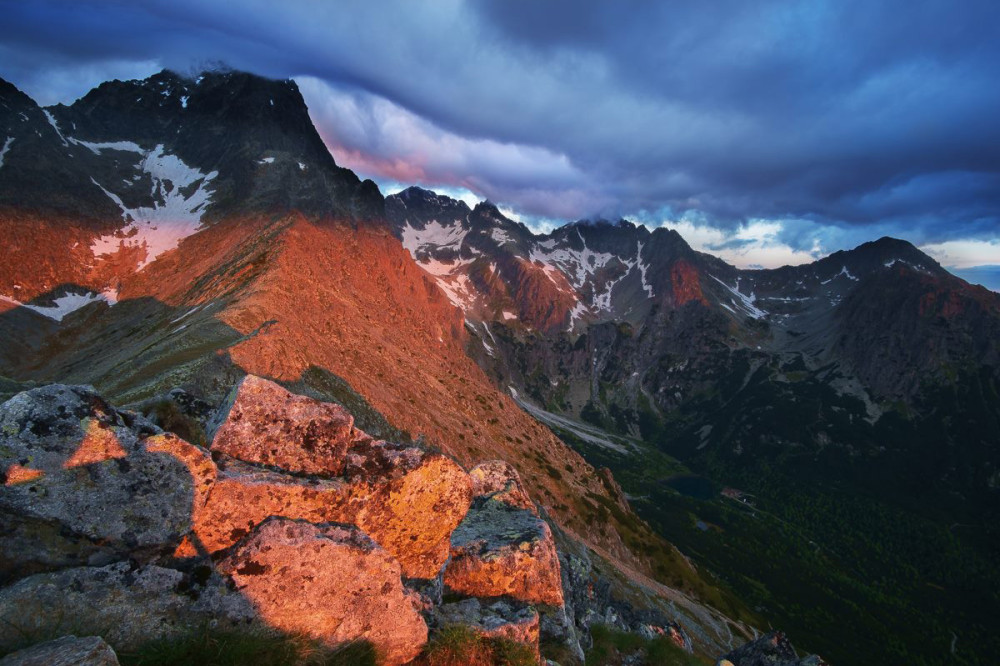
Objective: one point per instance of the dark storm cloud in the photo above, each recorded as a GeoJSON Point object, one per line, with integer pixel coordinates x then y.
{"type": "Point", "coordinates": [838, 116]}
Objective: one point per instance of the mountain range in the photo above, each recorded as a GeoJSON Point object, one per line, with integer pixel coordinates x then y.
{"type": "Point", "coordinates": [814, 447]}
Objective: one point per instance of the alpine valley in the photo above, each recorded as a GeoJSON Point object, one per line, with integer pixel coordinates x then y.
{"type": "Point", "coordinates": [695, 454]}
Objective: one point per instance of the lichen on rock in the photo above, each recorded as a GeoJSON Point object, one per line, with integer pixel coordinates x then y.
{"type": "Point", "coordinates": [502, 550]}
{"type": "Point", "coordinates": [331, 582]}
{"type": "Point", "coordinates": [261, 422]}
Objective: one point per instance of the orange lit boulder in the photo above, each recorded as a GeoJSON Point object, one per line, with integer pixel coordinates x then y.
{"type": "Point", "coordinates": [407, 499]}
{"type": "Point", "coordinates": [410, 501]}
{"type": "Point", "coordinates": [263, 423]}
{"type": "Point", "coordinates": [410, 507]}
{"type": "Point", "coordinates": [499, 479]}
{"type": "Point", "coordinates": [331, 582]}
{"type": "Point", "coordinates": [502, 550]}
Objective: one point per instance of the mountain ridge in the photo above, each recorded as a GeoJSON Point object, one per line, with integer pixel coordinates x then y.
{"type": "Point", "coordinates": [462, 325]}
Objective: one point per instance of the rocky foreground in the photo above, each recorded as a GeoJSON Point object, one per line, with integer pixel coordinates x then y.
{"type": "Point", "coordinates": [292, 522]}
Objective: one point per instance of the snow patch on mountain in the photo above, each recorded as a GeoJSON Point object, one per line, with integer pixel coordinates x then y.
{"type": "Point", "coordinates": [96, 148]}
{"type": "Point", "coordinates": [452, 280]}
{"type": "Point", "coordinates": [642, 271]}
{"type": "Point", "coordinates": [180, 195]}
{"type": "Point", "coordinates": [55, 125]}
{"type": "Point", "coordinates": [744, 302]}
{"type": "Point", "coordinates": [501, 237]}
{"type": "Point", "coordinates": [843, 271]}
{"type": "Point", "coordinates": [6, 147]}
{"type": "Point", "coordinates": [70, 302]}
{"type": "Point", "coordinates": [577, 265]}
{"type": "Point", "coordinates": [434, 236]}
{"type": "Point", "coordinates": [577, 313]}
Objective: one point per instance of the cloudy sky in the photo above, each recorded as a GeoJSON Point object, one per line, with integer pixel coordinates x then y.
{"type": "Point", "coordinates": [766, 132]}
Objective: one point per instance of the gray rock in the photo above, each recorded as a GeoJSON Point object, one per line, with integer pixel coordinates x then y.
{"type": "Point", "coordinates": [127, 605]}
{"type": "Point", "coordinates": [502, 619]}
{"type": "Point", "coordinates": [65, 651]}
{"type": "Point", "coordinates": [773, 649]}
{"type": "Point", "coordinates": [79, 488]}
{"type": "Point", "coordinates": [502, 550]}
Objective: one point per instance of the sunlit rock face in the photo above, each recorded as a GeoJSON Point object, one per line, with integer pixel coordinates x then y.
{"type": "Point", "coordinates": [409, 500]}
{"type": "Point", "coordinates": [330, 582]}
{"type": "Point", "coordinates": [263, 423]}
{"type": "Point", "coordinates": [503, 550]}
{"type": "Point", "coordinates": [163, 535]}
{"type": "Point", "coordinates": [499, 480]}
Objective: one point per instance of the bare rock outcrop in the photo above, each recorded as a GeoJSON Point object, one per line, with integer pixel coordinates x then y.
{"type": "Point", "coordinates": [312, 527]}
{"type": "Point", "coordinates": [773, 649]}
{"type": "Point", "coordinates": [499, 619]}
{"type": "Point", "coordinates": [65, 651]}
{"type": "Point", "coordinates": [502, 550]}
{"type": "Point", "coordinates": [499, 479]}
{"type": "Point", "coordinates": [125, 604]}
{"type": "Point", "coordinates": [329, 581]}
{"type": "Point", "coordinates": [406, 498]}
{"type": "Point", "coordinates": [409, 508]}
{"type": "Point", "coordinates": [261, 422]}
{"type": "Point", "coordinates": [78, 486]}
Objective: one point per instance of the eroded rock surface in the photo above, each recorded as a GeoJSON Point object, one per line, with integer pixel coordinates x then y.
{"type": "Point", "coordinates": [263, 423]}
{"type": "Point", "coordinates": [408, 499]}
{"type": "Point", "coordinates": [65, 651]}
{"type": "Point", "coordinates": [773, 649]}
{"type": "Point", "coordinates": [502, 550]}
{"type": "Point", "coordinates": [78, 486]}
{"type": "Point", "coordinates": [125, 604]}
{"type": "Point", "coordinates": [329, 581]}
{"type": "Point", "coordinates": [499, 619]}
{"type": "Point", "coordinates": [499, 479]}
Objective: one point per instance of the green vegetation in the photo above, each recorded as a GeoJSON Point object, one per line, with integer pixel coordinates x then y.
{"type": "Point", "coordinates": [458, 645]}
{"type": "Point", "coordinates": [668, 564]}
{"type": "Point", "coordinates": [881, 532]}
{"type": "Point", "coordinates": [611, 647]}
{"type": "Point", "coordinates": [215, 648]}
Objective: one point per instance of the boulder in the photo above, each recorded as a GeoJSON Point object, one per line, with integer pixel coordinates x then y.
{"type": "Point", "coordinates": [502, 550]}
{"type": "Point", "coordinates": [261, 422]}
{"type": "Point", "coordinates": [411, 512]}
{"type": "Point", "coordinates": [65, 651]}
{"type": "Point", "coordinates": [79, 488]}
{"type": "Point", "coordinates": [499, 479]}
{"type": "Point", "coordinates": [410, 501]}
{"type": "Point", "coordinates": [773, 649]}
{"type": "Point", "coordinates": [245, 495]}
{"type": "Point", "coordinates": [329, 581]}
{"type": "Point", "coordinates": [126, 604]}
{"type": "Point", "coordinates": [499, 619]}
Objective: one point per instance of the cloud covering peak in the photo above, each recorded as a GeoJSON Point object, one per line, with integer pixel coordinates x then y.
{"type": "Point", "coordinates": [838, 120]}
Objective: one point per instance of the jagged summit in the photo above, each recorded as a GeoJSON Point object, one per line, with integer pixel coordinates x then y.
{"type": "Point", "coordinates": [176, 233]}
